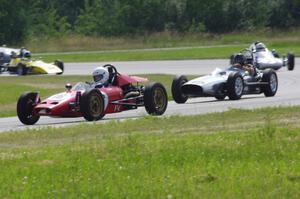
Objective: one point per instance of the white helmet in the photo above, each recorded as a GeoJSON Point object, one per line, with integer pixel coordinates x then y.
{"type": "Point", "coordinates": [100, 75]}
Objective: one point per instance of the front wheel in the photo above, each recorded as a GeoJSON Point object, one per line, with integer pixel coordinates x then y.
{"type": "Point", "coordinates": [291, 61]}
{"type": "Point", "coordinates": [25, 107]}
{"type": "Point", "coordinates": [270, 77]}
{"type": "Point", "coordinates": [235, 86]}
{"type": "Point", "coordinates": [177, 94]}
{"type": "Point", "coordinates": [155, 99]}
{"type": "Point", "coordinates": [92, 105]}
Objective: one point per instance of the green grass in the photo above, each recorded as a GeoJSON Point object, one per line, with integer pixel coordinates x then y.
{"type": "Point", "coordinates": [13, 87]}
{"type": "Point", "coordinates": [219, 155]}
{"type": "Point", "coordinates": [200, 46]}
{"type": "Point", "coordinates": [165, 54]}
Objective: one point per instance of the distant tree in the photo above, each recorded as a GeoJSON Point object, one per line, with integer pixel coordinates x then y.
{"type": "Point", "coordinates": [12, 22]}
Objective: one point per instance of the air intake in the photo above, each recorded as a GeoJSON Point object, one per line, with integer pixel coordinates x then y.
{"type": "Point", "coordinates": [192, 90]}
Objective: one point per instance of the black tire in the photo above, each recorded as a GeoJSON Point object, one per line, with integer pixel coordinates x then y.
{"type": "Point", "coordinates": [155, 99]}
{"type": "Point", "coordinates": [291, 61]}
{"type": "Point", "coordinates": [270, 77]}
{"type": "Point", "coordinates": [21, 69]}
{"type": "Point", "coordinates": [177, 94]}
{"type": "Point", "coordinates": [92, 105]}
{"type": "Point", "coordinates": [25, 108]}
{"type": "Point", "coordinates": [60, 64]}
{"type": "Point", "coordinates": [235, 86]}
{"type": "Point", "coordinates": [231, 59]}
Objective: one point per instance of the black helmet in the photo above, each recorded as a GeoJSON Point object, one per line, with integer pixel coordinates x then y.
{"type": "Point", "coordinates": [27, 54]}
{"type": "Point", "coordinates": [239, 59]}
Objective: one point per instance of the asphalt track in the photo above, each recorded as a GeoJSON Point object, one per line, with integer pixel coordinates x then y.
{"type": "Point", "coordinates": [288, 92]}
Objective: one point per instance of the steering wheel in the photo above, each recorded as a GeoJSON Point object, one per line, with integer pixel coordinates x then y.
{"type": "Point", "coordinates": [112, 72]}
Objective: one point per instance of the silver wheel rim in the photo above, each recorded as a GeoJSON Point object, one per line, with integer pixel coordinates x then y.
{"type": "Point", "coordinates": [273, 83]}
{"type": "Point", "coordinates": [238, 86]}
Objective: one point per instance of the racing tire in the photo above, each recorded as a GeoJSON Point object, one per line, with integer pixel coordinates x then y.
{"type": "Point", "coordinates": [92, 105]}
{"type": "Point", "coordinates": [231, 59]}
{"type": "Point", "coordinates": [25, 107]}
{"type": "Point", "coordinates": [155, 99]}
{"type": "Point", "coordinates": [60, 64]}
{"type": "Point", "coordinates": [177, 94]}
{"type": "Point", "coordinates": [21, 69]}
{"type": "Point", "coordinates": [291, 61]}
{"type": "Point", "coordinates": [235, 86]}
{"type": "Point", "coordinates": [270, 77]}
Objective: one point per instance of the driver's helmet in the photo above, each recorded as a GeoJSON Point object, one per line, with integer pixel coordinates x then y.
{"type": "Point", "coordinates": [239, 59]}
{"type": "Point", "coordinates": [27, 54]}
{"type": "Point", "coordinates": [260, 47]}
{"type": "Point", "coordinates": [24, 53]}
{"type": "Point", "coordinates": [100, 75]}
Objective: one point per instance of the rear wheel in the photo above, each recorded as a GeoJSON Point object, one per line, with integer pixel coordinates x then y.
{"type": "Point", "coordinates": [92, 105]}
{"type": "Point", "coordinates": [235, 86]}
{"type": "Point", "coordinates": [231, 60]}
{"type": "Point", "coordinates": [60, 64]}
{"type": "Point", "coordinates": [291, 61]}
{"type": "Point", "coordinates": [21, 69]}
{"type": "Point", "coordinates": [270, 77]}
{"type": "Point", "coordinates": [177, 94]}
{"type": "Point", "coordinates": [25, 107]}
{"type": "Point", "coordinates": [155, 99]}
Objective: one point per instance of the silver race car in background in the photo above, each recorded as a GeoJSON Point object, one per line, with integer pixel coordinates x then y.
{"type": "Point", "coordinates": [261, 57]}
{"type": "Point", "coordinates": [232, 82]}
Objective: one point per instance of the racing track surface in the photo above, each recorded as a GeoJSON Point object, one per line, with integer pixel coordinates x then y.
{"type": "Point", "coordinates": [288, 92]}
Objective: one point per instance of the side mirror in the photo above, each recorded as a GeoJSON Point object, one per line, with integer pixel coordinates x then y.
{"type": "Point", "coordinates": [68, 86]}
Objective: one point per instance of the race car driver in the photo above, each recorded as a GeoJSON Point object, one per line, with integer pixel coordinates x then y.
{"type": "Point", "coordinates": [101, 77]}
{"type": "Point", "coordinates": [239, 62]}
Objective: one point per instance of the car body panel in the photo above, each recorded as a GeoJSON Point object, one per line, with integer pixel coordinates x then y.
{"type": "Point", "coordinates": [35, 66]}
{"type": "Point", "coordinates": [214, 84]}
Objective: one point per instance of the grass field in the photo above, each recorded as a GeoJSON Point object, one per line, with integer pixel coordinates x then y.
{"type": "Point", "coordinates": [161, 46]}
{"type": "Point", "coordinates": [235, 154]}
{"type": "Point", "coordinates": [13, 87]}
{"type": "Point", "coordinates": [210, 52]}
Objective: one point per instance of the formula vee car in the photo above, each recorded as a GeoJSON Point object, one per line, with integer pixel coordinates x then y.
{"type": "Point", "coordinates": [85, 100]}
{"type": "Point", "coordinates": [232, 82]}
{"type": "Point", "coordinates": [261, 57]}
{"type": "Point", "coordinates": [19, 61]}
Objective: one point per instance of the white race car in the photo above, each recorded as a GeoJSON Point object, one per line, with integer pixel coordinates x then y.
{"type": "Point", "coordinates": [261, 57]}
{"type": "Point", "coordinates": [232, 82]}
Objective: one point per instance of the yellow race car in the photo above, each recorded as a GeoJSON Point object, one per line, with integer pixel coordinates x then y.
{"type": "Point", "coordinates": [21, 63]}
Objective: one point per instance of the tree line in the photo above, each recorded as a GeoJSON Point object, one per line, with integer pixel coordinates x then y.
{"type": "Point", "coordinates": [21, 20]}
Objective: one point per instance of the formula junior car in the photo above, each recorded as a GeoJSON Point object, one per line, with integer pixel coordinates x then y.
{"type": "Point", "coordinates": [85, 100]}
{"type": "Point", "coordinates": [19, 61]}
{"type": "Point", "coordinates": [261, 57]}
{"type": "Point", "coordinates": [232, 82]}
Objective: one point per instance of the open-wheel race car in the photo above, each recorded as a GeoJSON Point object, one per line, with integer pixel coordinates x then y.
{"type": "Point", "coordinates": [92, 101]}
{"type": "Point", "coordinates": [261, 57]}
{"type": "Point", "coordinates": [19, 61]}
{"type": "Point", "coordinates": [232, 82]}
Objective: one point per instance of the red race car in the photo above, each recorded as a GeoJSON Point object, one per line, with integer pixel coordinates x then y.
{"type": "Point", "coordinates": [91, 101]}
